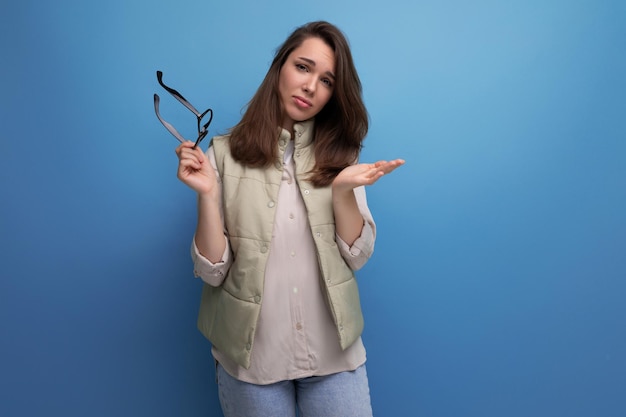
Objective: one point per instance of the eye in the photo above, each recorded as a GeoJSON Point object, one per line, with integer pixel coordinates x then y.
{"type": "Point", "coordinates": [327, 82]}
{"type": "Point", "coordinates": [302, 67]}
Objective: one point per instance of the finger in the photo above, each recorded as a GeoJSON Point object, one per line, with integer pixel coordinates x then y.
{"type": "Point", "coordinates": [183, 145]}
{"type": "Point", "coordinates": [200, 153]}
{"type": "Point", "coordinates": [191, 153]}
{"type": "Point", "coordinates": [189, 165]}
{"type": "Point", "coordinates": [392, 165]}
{"type": "Point", "coordinates": [372, 179]}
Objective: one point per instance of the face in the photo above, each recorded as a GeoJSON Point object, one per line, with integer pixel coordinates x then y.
{"type": "Point", "coordinates": [306, 81]}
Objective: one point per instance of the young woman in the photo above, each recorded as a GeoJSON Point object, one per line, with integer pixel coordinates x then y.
{"type": "Point", "coordinates": [282, 224]}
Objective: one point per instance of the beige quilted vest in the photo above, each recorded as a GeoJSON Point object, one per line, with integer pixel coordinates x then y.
{"type": "Point", "coordinates": [229, 313]}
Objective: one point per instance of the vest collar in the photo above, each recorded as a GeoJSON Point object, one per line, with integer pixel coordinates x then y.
{"type": "Point", "coordinates": [302, 132]}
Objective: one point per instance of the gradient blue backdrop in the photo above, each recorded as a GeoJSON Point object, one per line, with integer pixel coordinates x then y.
{"type": "Point", "coordinates": [498, 283]}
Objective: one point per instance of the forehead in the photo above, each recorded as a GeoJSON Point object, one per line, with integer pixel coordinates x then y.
{"type": "Point", "coordinates": [317, 50]}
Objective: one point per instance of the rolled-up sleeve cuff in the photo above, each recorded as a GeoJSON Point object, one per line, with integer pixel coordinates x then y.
{"type": "Point", "coordinates": [211, 273]}
{"type": "Point", "coordinates": [357, 255]}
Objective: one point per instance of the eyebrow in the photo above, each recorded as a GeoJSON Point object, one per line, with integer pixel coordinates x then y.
{"type": "Point", "coordinates": [311, 62]}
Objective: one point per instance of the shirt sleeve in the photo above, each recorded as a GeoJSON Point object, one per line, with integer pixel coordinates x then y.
{"type": "Point", "coordinates": [212, 273]}
{"type": "Point", "coordinates": [363, 247]}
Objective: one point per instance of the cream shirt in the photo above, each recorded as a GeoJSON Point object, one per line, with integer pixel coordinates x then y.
{"type": "Point", "coordinates": [295, 336]}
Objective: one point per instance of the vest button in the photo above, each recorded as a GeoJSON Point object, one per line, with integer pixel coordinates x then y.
{"type": "Point", "coordinates": [271, 204]}
{"type": "Point", "coordinates": [257, 298]}
{"type": "Point", "coordinates": [306, 192]}
{"type": "Point", "coordinates": [248, 346]}
{"type": "Point", "coordinates": [263, 249]}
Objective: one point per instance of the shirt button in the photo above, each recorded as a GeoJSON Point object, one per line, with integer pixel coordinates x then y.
{"type": "Point", "coordinates": [291, 216]}
{"type": "Point", "coordinates": [298, 326]}
{"type": "Point", "coordinates": [293, 254]}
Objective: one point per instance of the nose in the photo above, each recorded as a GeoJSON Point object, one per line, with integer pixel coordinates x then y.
{"type": "Point", "coordinates": [309, 85]}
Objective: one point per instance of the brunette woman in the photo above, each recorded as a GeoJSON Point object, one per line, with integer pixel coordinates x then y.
{"type": "Point", "coordinates": [283, 223]}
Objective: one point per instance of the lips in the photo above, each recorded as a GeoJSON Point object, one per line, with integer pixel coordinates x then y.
{"type": "Point", "coordinates": [302, 102]}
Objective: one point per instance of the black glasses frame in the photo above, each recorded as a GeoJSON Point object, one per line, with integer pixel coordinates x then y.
{"type": "Point", "coordinates": [203, 129]}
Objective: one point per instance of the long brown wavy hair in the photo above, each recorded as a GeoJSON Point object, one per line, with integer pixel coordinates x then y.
{"type": "Point", "coordinates": [340, 127]}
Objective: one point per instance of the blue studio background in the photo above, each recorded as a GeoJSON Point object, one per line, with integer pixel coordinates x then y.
{"type": "Point", "coordinates": [498, 283]}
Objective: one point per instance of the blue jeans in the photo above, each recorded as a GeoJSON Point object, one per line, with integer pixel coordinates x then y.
{"type": "Point", "coordinates": [345, 394]}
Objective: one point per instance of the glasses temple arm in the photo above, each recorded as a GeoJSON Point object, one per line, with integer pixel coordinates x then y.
{"type": "Point", "coordinates": [176, 94]}
{"type": "Point", "coordinates": [168, 126]}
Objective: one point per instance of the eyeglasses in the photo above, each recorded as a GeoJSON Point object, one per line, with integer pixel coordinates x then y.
{"type": "Point", "coordinates": [203, 129]}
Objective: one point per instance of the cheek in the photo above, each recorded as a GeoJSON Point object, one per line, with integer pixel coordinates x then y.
{"type": "Point", "coordinates": [327, 96]}
{"type": "Point", "coordinates": [288, 77]}
{"type": "Point", "coordinates": [283, 82]}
